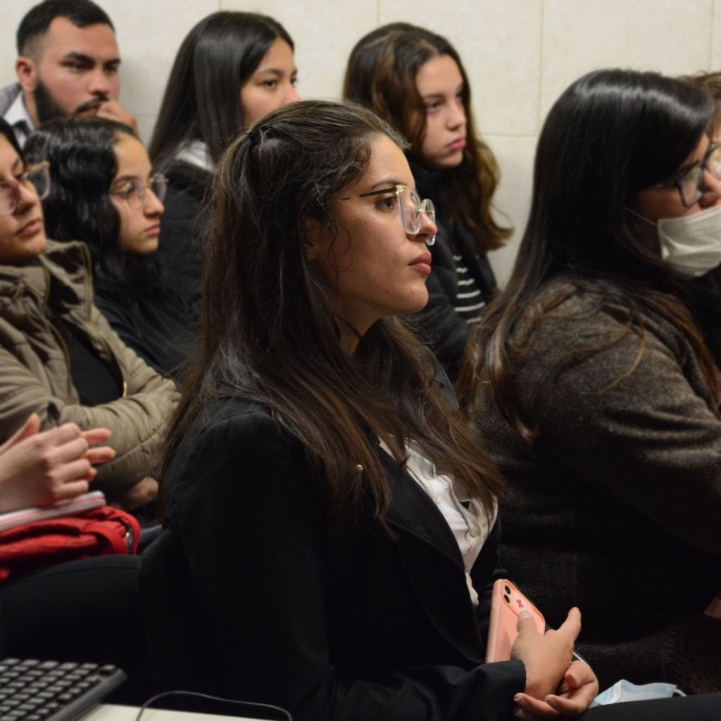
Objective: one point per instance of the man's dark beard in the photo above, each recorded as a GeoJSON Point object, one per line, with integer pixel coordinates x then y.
{"type": "Point", "coordinates": [45, 106]}
{"type": "Point", "coordinates": [47, 109]}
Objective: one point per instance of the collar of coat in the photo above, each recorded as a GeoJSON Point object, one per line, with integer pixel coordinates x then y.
{"type": "Point", "coordinates": [61, 276]}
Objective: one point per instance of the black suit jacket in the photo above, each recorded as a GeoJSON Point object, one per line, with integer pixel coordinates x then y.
{"type": "Point", "coordinates": [328, 622]}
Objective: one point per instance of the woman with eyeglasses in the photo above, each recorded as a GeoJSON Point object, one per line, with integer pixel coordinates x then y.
{"type": "Point", "coordinates": [415, 80]}
{"type": "Point", "coordinates": [105, 194]}
{"type": "Point", "coordinates": [56, 347]}
{"type": "Point", "coordinates": [329, 518]}
{"type": "Point", "coordinates": [593, 387]}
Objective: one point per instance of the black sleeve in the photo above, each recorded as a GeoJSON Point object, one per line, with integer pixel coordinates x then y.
{"type": "Point", "coordinates": [124, 325]}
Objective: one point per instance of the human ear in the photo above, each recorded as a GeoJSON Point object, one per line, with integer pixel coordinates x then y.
{"type": "Point", "coordinates": [314, 239]}
{"type": "Point", "coordinates": [26, 71]}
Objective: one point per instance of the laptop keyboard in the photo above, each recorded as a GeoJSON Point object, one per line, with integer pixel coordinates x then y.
{"type": "Point", "coordinates": [32, 690]}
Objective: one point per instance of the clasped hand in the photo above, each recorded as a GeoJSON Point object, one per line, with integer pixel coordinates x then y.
{"type": "Point", "coordinates": [555, 684]}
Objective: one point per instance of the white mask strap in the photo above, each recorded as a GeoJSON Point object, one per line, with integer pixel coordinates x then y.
{"type": "Point", "coordinates": [638, 215]}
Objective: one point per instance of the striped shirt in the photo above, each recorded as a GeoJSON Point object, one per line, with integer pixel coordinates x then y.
{"type": "Point", "coordinates": [469, 301]}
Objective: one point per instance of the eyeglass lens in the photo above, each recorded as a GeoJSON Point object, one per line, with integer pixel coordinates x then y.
{"type": "Point", "coordinates": [691, 184]}
{"type": "Point", "coordinates": [412, 207]}
{"type": "Point", "coordinates": [158, 184]}
{"type": "Point", "coordinates": [410, 216]}
{"type": "Point", "coordinates": [37, 180]}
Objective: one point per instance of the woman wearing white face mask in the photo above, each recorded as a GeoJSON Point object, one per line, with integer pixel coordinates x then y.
{"type": "Point", "coordinates": [596, 392]}
{"type": "Point", "coordinates": [688, 234]}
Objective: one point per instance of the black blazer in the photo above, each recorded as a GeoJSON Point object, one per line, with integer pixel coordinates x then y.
{"type": "Point", "coordinates": [328, 622]}
{"type": "Point", "coordinates": [440, 326]}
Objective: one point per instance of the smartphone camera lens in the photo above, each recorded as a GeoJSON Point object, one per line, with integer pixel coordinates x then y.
{"type": "Point", "coordinates": [506, 598]}
{"type": "Point", "coordinates": [507, 589]}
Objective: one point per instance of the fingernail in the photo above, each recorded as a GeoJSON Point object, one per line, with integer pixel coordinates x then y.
{"type": "Point", "coordinates": [517, 697]}
{"type": "Point", "coordinates": [524, 614]}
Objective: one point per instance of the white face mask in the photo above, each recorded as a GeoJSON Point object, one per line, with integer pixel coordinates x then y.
{"type": "Point", "coordinates": [690, 245]}
{"type": "Point", "coordinates": [626, 691]}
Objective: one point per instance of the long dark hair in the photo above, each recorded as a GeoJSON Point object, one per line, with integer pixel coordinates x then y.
{"type": "Point", "coordinates": [381, 74]}
{"type": "Point", "coordinates": [611, 134]}
{"type": "Point", "coordinates": [270, 332]}
{"type": "Point", "coordinates": [202, 98]}
{"type": "Point", "coordinates": [83, 166]}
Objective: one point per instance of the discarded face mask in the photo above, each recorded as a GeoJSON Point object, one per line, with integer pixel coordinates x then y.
{"type": "Point", "coordinates": [624, 690]}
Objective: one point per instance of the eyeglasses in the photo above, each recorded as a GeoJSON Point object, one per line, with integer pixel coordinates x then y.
{"type": "Point", "coordinates": [36, 179]}
{"type": "Point", "coordinates": [691, 184]}
{"type": "Point", "coordinates": [411, 208]}
{"type": "Point", "coordinates": [133, 190]}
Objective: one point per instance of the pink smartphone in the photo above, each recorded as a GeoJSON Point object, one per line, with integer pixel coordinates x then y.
{"type": "Point", "coordinates": [506, 603]}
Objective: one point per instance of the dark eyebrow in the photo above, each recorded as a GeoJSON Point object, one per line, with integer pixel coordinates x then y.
{"type": "Point", "coordinates": [459, 89]}
{"type": "Point", "coordinates": [381, 191]}
{"type": "Point", "coordinates": [79, 57]}
{"type": "Point", "coordinates": [83, 58]}
{"type": "Point", "coordinates": [693, 164]}
{"type": "Point", "coordinates": [125, 179]}
{"type": "Point", "coordinates": [275, 71]}
{"type": "Point", "coordinates": [685, 169]}
{"type": "Point", "coordinates": [391, 183]}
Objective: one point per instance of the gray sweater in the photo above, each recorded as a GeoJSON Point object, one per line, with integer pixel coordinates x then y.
{"type": "Point", "coordinates": [616, 506]}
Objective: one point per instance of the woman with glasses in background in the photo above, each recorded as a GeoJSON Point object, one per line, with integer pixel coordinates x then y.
{"type": "Point", "coordinates": [593, 387]}
{"type": "Point", "coordinates": [104, 193]}
{"type": "Point", "coordinates": [414, 79]}
{"type": "Point", "coordinates": [55, 346]}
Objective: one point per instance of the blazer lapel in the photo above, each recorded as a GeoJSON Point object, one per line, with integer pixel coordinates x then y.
{"type": "Point", "coordinates": [433, 561]}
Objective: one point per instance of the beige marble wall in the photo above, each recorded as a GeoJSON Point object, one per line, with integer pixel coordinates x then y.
{"type": "Point", "coordinates": [520, 54]}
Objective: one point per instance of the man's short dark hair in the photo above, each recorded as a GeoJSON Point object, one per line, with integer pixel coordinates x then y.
{"type": "Point", "coordinates": [81, 13]}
